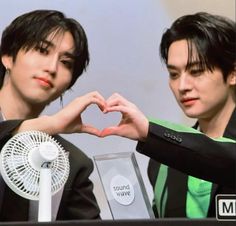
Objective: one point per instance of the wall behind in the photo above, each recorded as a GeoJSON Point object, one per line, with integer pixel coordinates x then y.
{"type": "Point", "coordinates": [123, 40]}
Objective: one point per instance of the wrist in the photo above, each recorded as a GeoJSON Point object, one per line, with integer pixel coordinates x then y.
{"type": "Point", "coordinates": [145, 131]}
{"type": "Point", "coordinates": [43, 123]}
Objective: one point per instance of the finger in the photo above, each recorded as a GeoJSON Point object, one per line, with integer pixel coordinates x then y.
{"type": "Point", "coordinates": [113, 96]}
{"type": "Point", "coordinates": [101, 104]}
{"type": "Point", "coordinates": [121, 109]}
{"type": "Point", "coordinates": [117, 100]}
{"type": "Point", "coordinates": [98, 96]}
{"type": "Point", "coordinates": [98, 99]}
{"type": "Point", "coordinates": [90, 130]}
{"type": "Point", "coordinates": [109, 131]}
{"type": "Point", "coordinates": [92, 98]}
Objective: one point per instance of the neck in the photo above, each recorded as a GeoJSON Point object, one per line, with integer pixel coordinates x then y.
{"type": "Point", "coordinates": [14, 107]}
{"type": "Point", "coordinates": [215, 126]}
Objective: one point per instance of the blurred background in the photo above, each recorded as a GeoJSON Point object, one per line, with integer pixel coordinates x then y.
{"type": "Point", "coordinates": [123, 39]}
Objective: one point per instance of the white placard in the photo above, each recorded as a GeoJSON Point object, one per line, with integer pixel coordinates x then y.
{"type": "Point", "coordinates": [123, 186]}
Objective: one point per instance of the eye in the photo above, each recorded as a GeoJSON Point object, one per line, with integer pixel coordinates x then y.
{"type": "Point", "coordinates": [43, 50]}
{"type": "Point", "coordinates": [68, 63]}
{"type": "Point", "coordinates": [173, 75]}
{"type": "Point", "coordinates": [196, 72]}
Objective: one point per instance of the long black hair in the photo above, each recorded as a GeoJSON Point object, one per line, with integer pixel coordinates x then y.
{"type": "Point", "coordinates": [28, 30]}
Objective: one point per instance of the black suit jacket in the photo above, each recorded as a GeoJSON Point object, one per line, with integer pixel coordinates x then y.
{"type": "Point", "coordinates": [78, 200]}
{"type": "Point", "coordinates": [194, 154]}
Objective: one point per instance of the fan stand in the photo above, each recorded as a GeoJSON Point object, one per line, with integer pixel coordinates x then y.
{"type": "Point", "coordinates": [46, 153]}
{"type": "Point", "coordinates": [45, 198]}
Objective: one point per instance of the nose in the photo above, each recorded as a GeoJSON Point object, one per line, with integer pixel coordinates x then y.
{"type": "Point", "coordinates": [185, 83]}
{"type": "Point", "coordinates": [51, 64]}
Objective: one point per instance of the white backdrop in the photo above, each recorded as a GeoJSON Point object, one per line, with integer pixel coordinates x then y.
{"type": "Point", "coordinates": [124, 37]}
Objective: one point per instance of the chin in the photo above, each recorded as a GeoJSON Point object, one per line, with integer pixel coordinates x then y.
{"type": "Point", "coordinates": [191, 113]}
{"type": "Point", "coordinates": [193, 116]}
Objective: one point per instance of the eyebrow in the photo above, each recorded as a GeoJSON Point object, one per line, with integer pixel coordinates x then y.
{"type": "Point", "coordinates": [65, 53]}
{"type": "Point", "coordinates": [69, 55]}
{"type": "Point", "coordinates": [170, 66]}
{"type": "Point", "coordinates": [48, 43]}
{"type": "Point", "coordinates": [189, 65]}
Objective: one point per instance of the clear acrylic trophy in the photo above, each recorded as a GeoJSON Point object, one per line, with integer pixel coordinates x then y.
{"type": "Point", "coordinates": [123, 186]}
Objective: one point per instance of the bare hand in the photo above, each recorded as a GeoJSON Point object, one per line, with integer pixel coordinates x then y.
{"type": "Point", "coordinates": [69, 118]}
{"type": "Point", "coordinates": [133, 124]}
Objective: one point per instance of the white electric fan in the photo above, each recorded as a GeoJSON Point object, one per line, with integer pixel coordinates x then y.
{"type": "Point", "coordinates": [35, 166]}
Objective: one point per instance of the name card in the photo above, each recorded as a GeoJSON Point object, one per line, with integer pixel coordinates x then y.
{"type": "Point", "coordinates": [123, 186]}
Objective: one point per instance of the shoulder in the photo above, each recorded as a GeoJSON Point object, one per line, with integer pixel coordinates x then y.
{"type": "Point", "coordinates": [230, 130]}
{"type": "Point", "coordinates": [6, 128]}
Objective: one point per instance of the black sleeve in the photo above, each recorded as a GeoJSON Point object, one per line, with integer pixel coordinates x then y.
{"type": "Point", "coordinates": [6, 129]}
{"type": "Point", "coordinates": [192, 154]}
{"type": "Point", "coordinates": [78, 200]}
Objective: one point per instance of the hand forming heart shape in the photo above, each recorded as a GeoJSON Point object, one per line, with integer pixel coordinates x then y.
{"type": "Point", "coordinates": [131, 124]}
{"type": "Point", "coordinates": [94, 116]}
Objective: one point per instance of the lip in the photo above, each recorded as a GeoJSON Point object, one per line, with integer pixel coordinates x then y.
{"type": "Point", "coordinates": [44, 81]}
{"type": "Point", "coordinates": [188, 101]}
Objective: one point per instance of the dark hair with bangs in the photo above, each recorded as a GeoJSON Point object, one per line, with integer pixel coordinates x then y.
{"type": "Point", "coordinates": [30, 29]}
{"type": "Point", "coordinates": [213, 37]}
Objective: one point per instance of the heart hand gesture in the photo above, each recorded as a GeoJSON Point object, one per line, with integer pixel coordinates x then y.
{"type": "Point", "coordinates": [133, 124]}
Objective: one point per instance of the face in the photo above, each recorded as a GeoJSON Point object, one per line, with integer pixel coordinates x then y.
{"type": "Point", "coordinates": [200, 94]}
{"type": "Point", "coordinates": [42, 74]}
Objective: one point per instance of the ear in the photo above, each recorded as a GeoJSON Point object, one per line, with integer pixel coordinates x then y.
{"type": "Point", "coordinates": [7, 61]}
{"type": "Point", "coordinates": [232, 78]}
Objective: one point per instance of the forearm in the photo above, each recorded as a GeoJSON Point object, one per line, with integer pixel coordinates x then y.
{"type": "Point", "coordinates": [45, 124]}
{"type": "Point", "coordinates": [193, 154]}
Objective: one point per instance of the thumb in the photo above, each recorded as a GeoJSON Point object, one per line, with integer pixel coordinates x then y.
{"type": "Point", "coordinates": [109, 131]}
{"type": "Point", "coordinates": [90, 130]}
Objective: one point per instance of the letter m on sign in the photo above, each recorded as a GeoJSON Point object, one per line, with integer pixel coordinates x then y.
{"type": "Point", "coordinates": [226, 207]}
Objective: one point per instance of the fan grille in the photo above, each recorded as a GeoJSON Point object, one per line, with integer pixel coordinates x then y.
{"type": "Point", "coordinates": [17, 171]}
